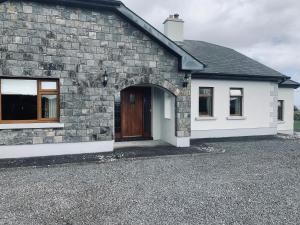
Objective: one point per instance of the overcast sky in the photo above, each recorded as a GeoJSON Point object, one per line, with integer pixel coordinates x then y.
{"type": "Point", "coordinates": [266, 30]}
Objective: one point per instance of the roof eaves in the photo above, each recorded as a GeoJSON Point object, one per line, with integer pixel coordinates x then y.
{"type": "Point", "coordinates": [294, 86]}
{"type": "Point", "coordinates": [79, 3]}
{"type": "Point", "coordinates": [289, 84]}
{"type": "Point", "coordinates": [249, 77]}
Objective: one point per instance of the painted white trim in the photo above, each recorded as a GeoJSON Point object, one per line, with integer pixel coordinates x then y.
{"type": "Point", "coordinates": [15, 126]}
{"type": "Point", "coordinates": [25, 151]}
{"type": "Point", "coordinates": [289, 132]}
{"type": "Point", "coordinates": [205, 118]}
{"type": "Point", "coordinates": [280, 122]}
{"type": "Point", "coordinates": [242, 132]}
{"type": "Point", "coordinates": [183, 142]}
{"type": "Point", "coordinates": [180, 142]}
{"type": "Point", "coordinates": [236, 118]}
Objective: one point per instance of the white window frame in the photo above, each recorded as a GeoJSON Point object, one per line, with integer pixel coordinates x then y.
{"type": "Point", "coordinates": [242, 95]}
{"type": "Point", "coordinates": [212, 102]}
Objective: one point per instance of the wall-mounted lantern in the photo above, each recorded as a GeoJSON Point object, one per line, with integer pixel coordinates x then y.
{"type": "Point", "coordinates": [185, 81]}
{"type": "Point", "coordinates": [105, 79]}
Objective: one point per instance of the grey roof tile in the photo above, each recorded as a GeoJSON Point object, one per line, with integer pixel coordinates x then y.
{"type": "Point", "coordinates": [289, 84]}
{"type": "Point", "coordinates": [223, 60]}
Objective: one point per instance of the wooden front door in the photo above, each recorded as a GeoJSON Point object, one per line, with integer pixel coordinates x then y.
{"type": "Point", "coordinates": [132, 112]}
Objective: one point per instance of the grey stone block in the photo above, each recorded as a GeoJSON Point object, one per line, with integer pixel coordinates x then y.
{"type": "Point", "coordinates": [77, 46]}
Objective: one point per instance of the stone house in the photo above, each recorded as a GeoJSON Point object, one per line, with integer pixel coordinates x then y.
{"type": "Point", "coordinates": [76, 76]}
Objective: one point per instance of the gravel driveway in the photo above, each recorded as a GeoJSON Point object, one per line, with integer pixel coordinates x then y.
{"type": "Point", "coordinates": [248, 182]}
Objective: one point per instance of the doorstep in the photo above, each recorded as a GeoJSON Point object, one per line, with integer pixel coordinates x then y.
{"type": "Point", "coordinates": [140, 144]}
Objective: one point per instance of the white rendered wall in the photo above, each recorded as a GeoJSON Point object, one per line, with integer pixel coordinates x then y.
{"type": "Point", "coordinates": [174, 29]}
{"type": "Point", "coordinates": [25, 151]}
{"type": "Point", "coordinates": [258, 109]}
{"type": "Point", "coordinates": [163, 128]}
{"type": "Point", "coordinates": [287, 125]}
{"type": "Point", "coordinates": [157, 111]}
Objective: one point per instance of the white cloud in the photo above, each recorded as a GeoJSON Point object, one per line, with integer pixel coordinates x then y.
{"type": "Point", "coordinates": [281, 56]}
{"type": "Point", "coordinates": [265, 30]}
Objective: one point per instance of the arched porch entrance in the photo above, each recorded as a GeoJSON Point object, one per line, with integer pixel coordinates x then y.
{"type": "Point", "coordinates": [145, 112]}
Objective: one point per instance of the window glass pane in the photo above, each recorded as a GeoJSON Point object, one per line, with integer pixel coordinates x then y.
{"type": "Point", "coordinates": [18, 87]}
{"type": "Point", "coordinates": [49, 106]}
{"type": "Point", "coordinates": [236, 106]}
{"type": "Point", "coordinates": [205, 106]}
{"type": "Point", "coordinates": [205, 101]}
{"type": "Point", "coordinates": [19, 99]}
{"type": "Point", "coordinates": [235, 92]}
{"type": "Point", "coordinates": [49, 85]}
{"type": "Point", "coordinates": [132, 99]}
{"type": "Point", "coordinates": [205, 91]}
{"type": "Point", "coordinates": [280, 110]}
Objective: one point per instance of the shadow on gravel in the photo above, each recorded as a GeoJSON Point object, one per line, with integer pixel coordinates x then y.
{"type": "Point", "coordinates": [235, 139]}
{"type": "Point", "coordinates": [197, 147]}
{"type": "Point", "coordinates": [162, 151]}
{"type": "Point", "coordinates": [121, 153]}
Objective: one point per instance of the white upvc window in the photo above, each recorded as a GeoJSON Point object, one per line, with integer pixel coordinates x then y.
{"type": "Point", "coordinates": [236, 102]}
{"type": "Point", "coordinates": [206, 102]}
{"type": "Point", "coordinates": [280, 110]}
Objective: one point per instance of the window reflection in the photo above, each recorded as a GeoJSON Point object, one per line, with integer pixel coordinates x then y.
{"type": "Point", "coordinates": [49, 106]}
{"type": "Point", "coordinates": [19, 99]}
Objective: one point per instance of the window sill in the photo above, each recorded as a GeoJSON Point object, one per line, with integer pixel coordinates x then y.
{"type": "Point", "coordinates": [16, 126]}
{"type": "Point", "coordinates": [204, 118]}
{"type": "Point", "coordinates": [280, 122]}
{"type": "Point", "coordinates": [236, 118]}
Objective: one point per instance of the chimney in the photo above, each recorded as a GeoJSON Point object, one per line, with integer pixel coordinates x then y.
{"type": "Point", "coordinates": [173, 28]}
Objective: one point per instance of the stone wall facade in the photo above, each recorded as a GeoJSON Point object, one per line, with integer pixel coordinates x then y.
{"type": "Point", "coordinates": [76, 46]}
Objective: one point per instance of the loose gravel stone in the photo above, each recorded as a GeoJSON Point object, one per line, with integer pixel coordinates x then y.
{"type": "Point", "coordinates": [252, 182]}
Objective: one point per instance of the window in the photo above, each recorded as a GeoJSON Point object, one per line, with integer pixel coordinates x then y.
{"type": "Point", "coordinates": [19, 99]}
{"type": "Point", "coordinates": [168, 105]}
{"type": "Point", "coordinates": [205, 101]}
{"type": "Point", "coordinates": [236, 102]}
{"type": "Point", "coordinates": [24, 101]}
{"type": "Point", "coordinates": [280, 110]}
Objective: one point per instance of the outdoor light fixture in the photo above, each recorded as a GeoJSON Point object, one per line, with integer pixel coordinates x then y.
{"type": "Point", "coordinates": [105, 79]}
{"type": "Point", "coordinates": [185, 80]}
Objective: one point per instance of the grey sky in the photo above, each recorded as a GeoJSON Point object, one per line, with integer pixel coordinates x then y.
{"type": "Point", "coordinates": [268, 31]}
